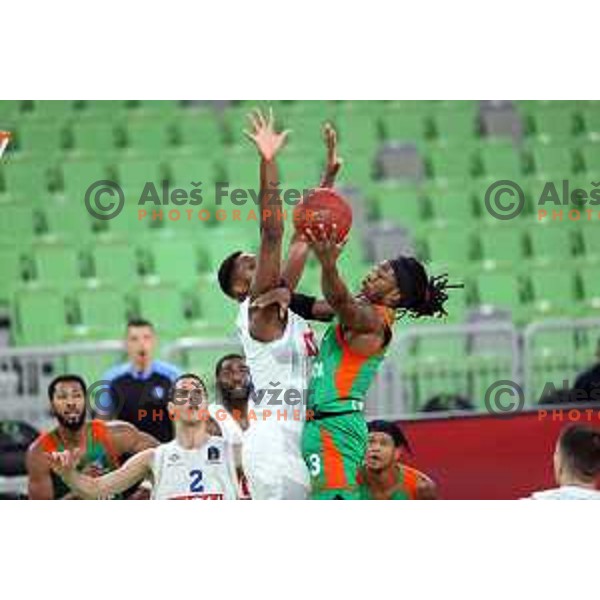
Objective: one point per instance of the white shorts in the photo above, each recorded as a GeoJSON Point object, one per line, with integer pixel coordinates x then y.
{"type": "Point", "coordinates": [272, 461]}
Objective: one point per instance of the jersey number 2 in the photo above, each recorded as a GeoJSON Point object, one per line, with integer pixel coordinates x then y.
{"type": "Point", "coordinates": [196, 483]}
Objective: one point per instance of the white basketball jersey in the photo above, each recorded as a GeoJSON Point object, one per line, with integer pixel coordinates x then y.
{"type": "Point", "coordinates": [205, 473]}
{"type": "Point", "coordinates": [280, 369]}
{"type": "Point", "coordinates": [567, 492]}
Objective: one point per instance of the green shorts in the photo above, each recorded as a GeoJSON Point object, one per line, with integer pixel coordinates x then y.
{"type": "Point", "coordinates": [334, 449]}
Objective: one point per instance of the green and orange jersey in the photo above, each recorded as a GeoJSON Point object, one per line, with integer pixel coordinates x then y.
{"type": "Point", "coordinates": [403, 484]}
{"type": "Point", "coordinates": [99, 452]}
{"type": "Point", "coordinates": [341, 377]}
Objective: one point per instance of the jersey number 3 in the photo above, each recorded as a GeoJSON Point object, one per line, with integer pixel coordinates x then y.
{"type": "Point", "coordinates": [196, 483]}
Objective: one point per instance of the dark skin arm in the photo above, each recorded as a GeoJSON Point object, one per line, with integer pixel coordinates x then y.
{"type": "Point", "coordinates": [265, 323]}
{"type": "Point", "coordinates": [426, 488]}
{"type": "Point", "coordinates": [128, 439]}
{"type": "Point", "coordinates": [299, 249]}
{"type": "Point", "coordinates": [39, 485]}
{"type": "Point", "coordinates": [364, 329]}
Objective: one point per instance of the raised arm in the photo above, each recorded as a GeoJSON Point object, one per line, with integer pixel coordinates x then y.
{"type": "Point", "coordinates": [268, 143]}
{"type": "Point", "coordinates": [334, 162]}
{"type": "Point", "coordinates": [131, 472]}
{"type": "Point", "coordinates": [356, 316]}
{"type": "Point", "coordinates": [298, 250]}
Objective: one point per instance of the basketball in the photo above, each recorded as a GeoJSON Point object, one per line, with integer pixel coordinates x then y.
{"type": "Point", "coordinates": [325, 207]}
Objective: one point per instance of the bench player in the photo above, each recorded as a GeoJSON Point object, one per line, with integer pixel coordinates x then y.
{"type": "Point", "coordinates": [195, 465]}
{"type": "Point", "coordinates": [102, 444]}
{"type": "Point", "coordinates": [384, 476]}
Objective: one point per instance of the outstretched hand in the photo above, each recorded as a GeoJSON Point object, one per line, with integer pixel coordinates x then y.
{"type": "Point", "coordinates": [325, 244]}
{"type": "Point", "coordinates": [267, 141]}
{"type": "Point", "coordinates": [334, 162]}
{"type": "Point", "coordinates": [63, 463]}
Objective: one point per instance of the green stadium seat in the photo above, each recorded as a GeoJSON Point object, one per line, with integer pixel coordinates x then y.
{"type": "Point", "coordinates": [551, 161]}
{"type": "Point", "coordinates": [44, 141]}
{"type": "Point", "coordinates": [591, 118]}
{"type": "Point", "coordinates": [551, 121]}
{"type": "Point", "coordinates": [185, 170]}
{"type": "Point", "coordinates": [501, 290]}
{"type": "Point", "coordinates": [149, 136]}
{"type": "Point", "coordinates": [103, 310]}
{"type": "Point", "coordinates": [242, 168]}
{"type": "Point", "coordinates": [57, 265]}
{"type": "Point", "coordinates": [19, 223]}
{"type": "Point", "coordinates": [164, 307]}
{"type": "Point", "coordinates": [300, 168]}
{"type": "Point", "coordinates": [500, 161]}
{"type": "Point", "coordinates": [95, 138]}
{"type": "Point", "coordinates": [553, 290]}
{"type": "Point", "coordinates": [10, 110]}
{"type": "Point", "coordinates": [590, 284]}
{"type": "Point", "coordinates": [451, 162]}
{"type": "Point", "coordinates": [358, 134]}
{"type": "Point", "coordinates": [25, 179]}
{"type": "Point", "coordinates": [39, 316]}
{"type": "Point", "coordinates": [52, 110]}
{"type": "Point", "coordinates": [135, 173]}
{"type": "Point", "coordinates": [550, 242]}
{"type": "Point", "coordinates": [451, 206]}
{"type": "Point", "coordinates": [67, 220]}
{"type": "Point", "coordinates": [590, 154]}
{"type": "Point", "coordinates": [442, 347]}
{"type": "Point", "coordinates": [450, 244]}
{"type": "Point", "coordinates": [456, 121]}
{"type": "Point", "coordinates": [403, 204]}
{"type": "Point", "coordinates": [79, 175]}
{"type": "Point", "coordinates": [103, 109]}
{"type": "Point", "coordinates": [12, 269]}
{"type": "Point", "coordinates": [502, 245]}
{"type": "Point", "coordinates": [403, 125]}
{"type": "Point", "coordinates": [177, 260]}
{"type": "Point", "coordinates": [157, 109]}
{"type": "Point", "coordinates": [115, 263]}
{"type": "Point", "coordinates": [200, 131]}
{"type": "Point", "coordinates": [591, 242]}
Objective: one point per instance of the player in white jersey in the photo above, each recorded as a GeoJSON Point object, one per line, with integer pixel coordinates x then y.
{"type": "Point", "coordinates": [196, 465]}
{"type": "Point", "coordinates": [576, 465]}
{"type": "Point", "coordinates": [278, 343]}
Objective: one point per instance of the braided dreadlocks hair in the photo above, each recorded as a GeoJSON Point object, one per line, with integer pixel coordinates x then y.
{"type": "Point", "coordinates": [422, 295]}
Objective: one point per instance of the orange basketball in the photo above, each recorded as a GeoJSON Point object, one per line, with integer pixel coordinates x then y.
{"type": "Point", "coordinates": [324, 207]}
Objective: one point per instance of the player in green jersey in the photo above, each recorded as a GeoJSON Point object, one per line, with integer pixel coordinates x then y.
{"type": "Point", "coordinates": [335, 439]}
{"type": "Point", "coordinates": [104, 443]}
{"type": "Point", "coordinates": [384, 476]}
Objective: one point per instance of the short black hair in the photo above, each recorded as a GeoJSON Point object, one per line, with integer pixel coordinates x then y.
{"type": "Point", "coordinates": [391, 429]}
{"type": "Point", "coordinates": [63, 378]}
{"type": "Point", "coordinates": [580, 447]}
{"type": "Point", "coordinates": [225, 273]}
{"type": "Point", "coordinates": [139, 322]}
{"type": "Point", "coordinates": [422, 296]}
{"type": "Point", "coordinates": [189, 376]}
{"type": "Point", "coordinates": [231, 356]}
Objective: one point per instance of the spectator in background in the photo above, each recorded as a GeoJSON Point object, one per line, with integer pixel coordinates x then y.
{"type": "Point", "coordinates": [587, 384]}
{"type": "Point", "coordinates": [139, 389]}
{"type": "Point", "coordinates": [383, 476]}
{"type": "Point", "coordinates": [576, 465]}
